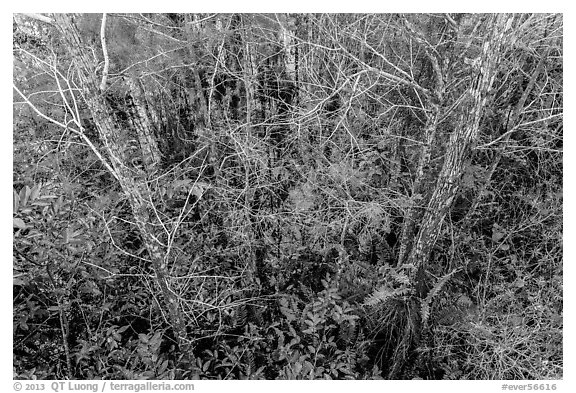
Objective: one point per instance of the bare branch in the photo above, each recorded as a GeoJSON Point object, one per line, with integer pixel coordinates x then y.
{"type": "Point", "coordinates": [80, 132]}
{"type": "Point", "coordinates": [105, 51]}
{"type": "Point", "coordinates": [40, 17]}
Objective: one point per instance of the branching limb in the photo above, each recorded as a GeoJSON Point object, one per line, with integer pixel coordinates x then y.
{"type": "Point", "coordinates": [66, 126]}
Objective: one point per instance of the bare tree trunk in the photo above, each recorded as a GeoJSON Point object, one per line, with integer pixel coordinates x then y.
{"type": "Point", "coordinates": [251, 196]}
{"type": "Point", "coordinates": [460, 141]}
{"type": "Point", "coordinates": [203, 123]}
{"type": "Point", "coordinates": [249, 67]}
{"type": "Point", "coordinates": [287, 38]}
{"type": "Point", "coordinates": [424, 219]}
{"type": "Point", "coordinates": [131, 180]}
{"type": "Point", "coordinates": [414, 213]}
{"type": "Point", "coordinates": [144, 119]}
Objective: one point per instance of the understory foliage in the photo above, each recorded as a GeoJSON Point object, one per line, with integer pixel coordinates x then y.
{"type": "Point", "coordinates": [287, 196]}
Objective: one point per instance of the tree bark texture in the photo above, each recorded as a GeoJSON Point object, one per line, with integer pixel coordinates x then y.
{"type": "Point", "coordinates": [144, 120]}
{"type": "Point", "coordinates": [460, 141]}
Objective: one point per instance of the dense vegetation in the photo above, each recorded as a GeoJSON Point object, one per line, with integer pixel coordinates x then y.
{"type": "Point", "coordinates": [295, 196]}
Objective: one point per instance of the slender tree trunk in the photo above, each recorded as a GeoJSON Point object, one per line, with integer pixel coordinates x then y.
{"type": "Point", "coordinates": [460, 142]}
{"type": "Point", "coordinates": [252, 198]}
{"type": "Point", "coordinates": [131, 180]}
{"type": "Point", "coordinates": [287, 38]}
{"type": "Point", "coordinates": [250, 69]}
{"type": "Point", "coordinates": [414, 213]}
{"type": "Point", "coordinates": [144, 119]}
{"type": "Point", "coordinates": [203, 121]}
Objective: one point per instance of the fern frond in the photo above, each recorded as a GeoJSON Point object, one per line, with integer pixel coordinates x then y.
{"type": "Point", "coordinates": [425, 305]}
{"type": "Point", "coordinates": [241, 316]}
{"type": "Point", "coordinates": [400, 276]}
{"type": "Point", "coordinates": [385, 293]}
{"type": "Point", "coordinates": [250, 364]}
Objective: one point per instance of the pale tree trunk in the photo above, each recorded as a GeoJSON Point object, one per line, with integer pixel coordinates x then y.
{"type": "Point", "coordinates": [131, 180]}
{"type": "Point", "coordinates": [249, 67]}
{"type": "Point", "coordinates": [287, 37]}
{"type": "Point", "coordinates": [304, 63]}
{"type": "Point", "coordinates": [203, 123]}
{"type": "Point", "coordinates": [434, 195]}
{"type": "Point", "coordinates": [460, 142]}
{"type": "Point", "coordinates": [421, 183]}
{"type": "Point", "coordinates": [204, 118]}
{"type": "Point", "coordinates": [414, 212]}
{"type": "Point", "coordinates": [219, 66]}
{"type": "Point", "coordinates": [144, 119]}
{"type": "Point", "coordinates": [290, 81]}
